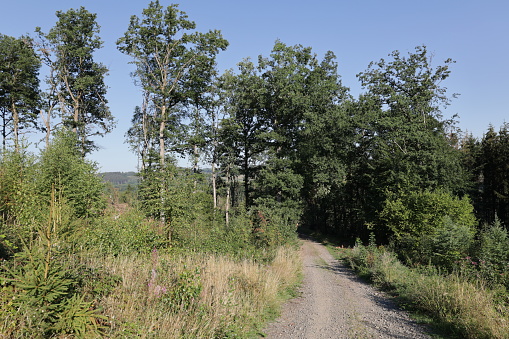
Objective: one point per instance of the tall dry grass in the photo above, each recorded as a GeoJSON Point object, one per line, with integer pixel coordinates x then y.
{"type": "Point", "coordinates": [468, 309]}
{"type": "Point", "coordinates": [195, 296]}
{"type": "Point", "coordinates": [472, 308]}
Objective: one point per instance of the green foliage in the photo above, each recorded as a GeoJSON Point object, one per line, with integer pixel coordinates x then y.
{"type": "Point", "coordinates": [492, 162]}
{"type": "Point", "coordinates": [430, 226]}
{"type": "Point", "coordinates": [185, 290]}
{"type": "Point", "coordinates": [38, 282]}
{"type": "Point", "coordinates": [76, 78]}
{"type": "Point", "coordinates": [20, 206]}
{"type": "Point", "coordinates": [121, 234]}
{"type": "Point", "coordinates": [274, 225]}
{"type": "Point", "coordinates": [451, 242]}
{"type": "Point", "coordinates": [493, 254]}
{"type": "Point", "coordinates": [463, 308]}
{"type": "Point", "coordinates": [62, 166]}
{"type": "Point", "coordinates": [19, 87]}
{"type": "Point", "coordinates": [422, 212]}
{"type": "Point", "coordinates": [401, 139]}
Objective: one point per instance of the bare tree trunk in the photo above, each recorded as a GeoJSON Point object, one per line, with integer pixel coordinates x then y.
{"type": "Point", "coordinates": [214, 189]}
{"type": "Point", "coordinates": [227, 202]}
{"type": "Point", "coordinates": [145, 127]}
{"type": "Point", "coordinates": [195, 164]}
{"type": "Point", "coordinates": [162, 164]}
{"type": "Point", "coordinates": [47, 125]}
{"type": "Point", "coordinates": [15, 123]}
{"type": "Point", "coordinates": [4, 130]}
{"type": "Point", "coordinates": [246, 181]}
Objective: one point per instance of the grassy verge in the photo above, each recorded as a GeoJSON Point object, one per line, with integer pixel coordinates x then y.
{"type": "Point", "coordinates": [162, 295]}
{"type": "Point", "coordinates": [195, 296]}
{"type": "Point", "coordinates": [458, 307]}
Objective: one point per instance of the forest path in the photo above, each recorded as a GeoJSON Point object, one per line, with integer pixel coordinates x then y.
{"type": "Point", "coordinates": [334, 303]}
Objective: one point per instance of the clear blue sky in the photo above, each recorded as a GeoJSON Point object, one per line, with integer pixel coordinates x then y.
{"type": "Point", "coordinates": [473, 33]}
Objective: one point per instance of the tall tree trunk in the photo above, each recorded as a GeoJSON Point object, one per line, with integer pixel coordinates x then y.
{"type": "Point", "coordinates": [47, 125]}
{"type": "Point", "coordinates": [162, 165]}
{"type": "Point", "coordinates": [214, 189]}
{"type": "Point", "coordinates": [4, 130]}
{"type": "Point", "coordinates": [195, 164]}
{"type": "Point", "coordinates": [228, 193]}
{"type": "Point", "coordinates": [246, 180]}
{"type": "Point", "coordinates": [15, 123]}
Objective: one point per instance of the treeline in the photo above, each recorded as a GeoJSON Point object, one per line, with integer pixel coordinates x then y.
{"type": "Point", "coordinates": [284, 138]}
{"type": "Point", "coordinates": [281, 133]}
{"type": "Point", "coordinates": [288, 146]}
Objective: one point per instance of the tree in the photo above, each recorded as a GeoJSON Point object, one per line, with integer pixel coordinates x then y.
{"type": "Point", "coordinates": [493, 162]}
{"type": "Point", "coordinates": [77, 81]}
{"type": "Point", "coordinates": [63, 169]}
{"type": "Point", "coordinates": [245, 128]}
{"type": "Point", "coordinates": [174, 65]}
{"type": "Point", "coordinates": [404, 138]}
{"type": "Point", "coordinates": [19, 87]}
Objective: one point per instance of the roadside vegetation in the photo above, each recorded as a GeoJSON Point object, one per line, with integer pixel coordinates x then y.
{"type": "Point", "coordinates": [188, 252]}
{"type": "Point", "coordinates": [464, 298]}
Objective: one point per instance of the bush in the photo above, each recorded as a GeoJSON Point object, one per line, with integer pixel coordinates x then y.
{"type": "Point", "coordinates": [38, 294]}
{"type": "Point", "coordinates": [493, 254]}
{"type": "Point", "coordinates": [61, 166]}
{"type": "Point", "coordinates": [430, 226]}
{"type": "Point", "coordinates": [450, 243]}
{"type": "Point", "coordinates": [125, 233]}
{"type": "Point", "coordinates": [466, 309]}
{"type": "Point", "coordinates": [20, 206]}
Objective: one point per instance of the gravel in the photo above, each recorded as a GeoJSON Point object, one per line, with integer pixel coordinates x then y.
{"type": "Point", "coordinates": [334, 303]}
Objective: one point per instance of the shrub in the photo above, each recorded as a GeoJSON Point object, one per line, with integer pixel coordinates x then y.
{"type": "Point", "coordinates": [124, 233]}
{"type": "Point", "coordinates": [493, 254]}
{"type": "Point", "coordinates": [467, 309]}
{"type": "Point", "coordinates": [430, 226]}
{"type": "Point", "coordinates": [38, 286]}
{"type": "Point", "coordinates": [62, 166]}
{"type": "Point", "coordinates": [20, 207]}
{"type": "Point", "coordinates": [450, 243]}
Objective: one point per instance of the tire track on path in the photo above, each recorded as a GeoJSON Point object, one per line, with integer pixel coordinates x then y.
{"type": "Point", "coordinates": [334, 303]}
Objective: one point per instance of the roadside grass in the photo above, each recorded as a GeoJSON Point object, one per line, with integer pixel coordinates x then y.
{"type": "Point", "coordinates": [456, 307]}
{"type": "Point", "coordinates": [197, 295]}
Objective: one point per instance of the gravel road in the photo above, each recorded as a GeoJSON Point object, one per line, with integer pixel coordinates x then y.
{"type": "Point", "coordinates": [334, 303]}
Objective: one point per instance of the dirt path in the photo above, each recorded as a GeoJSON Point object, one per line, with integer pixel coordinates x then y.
{"type": "Point", "coordinates": [335, 304]}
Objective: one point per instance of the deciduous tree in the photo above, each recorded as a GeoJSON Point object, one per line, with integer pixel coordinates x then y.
{"type": "Point", "coordinates": [19, 87]}
{"type": "Point", "coordinates": [76, 79]}
{"type": "Point", "coordinates": [174, 64]}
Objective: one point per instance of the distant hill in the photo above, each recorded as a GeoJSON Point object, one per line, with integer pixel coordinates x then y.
{"type": "Point", "coordinates": [120, 180]}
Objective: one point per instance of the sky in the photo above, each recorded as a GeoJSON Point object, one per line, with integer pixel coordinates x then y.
{"type": "Point", "coordinates": [475, 34]}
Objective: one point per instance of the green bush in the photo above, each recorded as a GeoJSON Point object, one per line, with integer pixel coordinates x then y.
{"type": "Point", "coordinates": [124, 233]}
{"type": "Point", "coordinates": [62, 166]}
{"type": "Point", "coordinates": [493, 254]}
{"type": "Point", "coordinates": [20, 206]}
{"type": "Point", "coordinates": [450, 243]}
{"type": "Point", "coordinates": [423, 212]}
{"type": "Point", "coordinates": [430, 226]}
{"type": "Point", "coordinates": [460, 307]}
{"type": "Point", "coordinates": [37, 284]}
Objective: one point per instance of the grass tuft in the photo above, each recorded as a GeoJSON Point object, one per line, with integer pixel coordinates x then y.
{"type": "Point", "coordinates": [465, 308]}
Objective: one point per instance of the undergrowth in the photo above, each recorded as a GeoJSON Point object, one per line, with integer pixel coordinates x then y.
{"type": "Point", "coordinates": [460, 306]}
{"type": "Point", "coordinates": [196, 296]}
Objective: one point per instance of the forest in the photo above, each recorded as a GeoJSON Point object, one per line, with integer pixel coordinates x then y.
{"type": "Point", "coordinates": [287, 149]}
